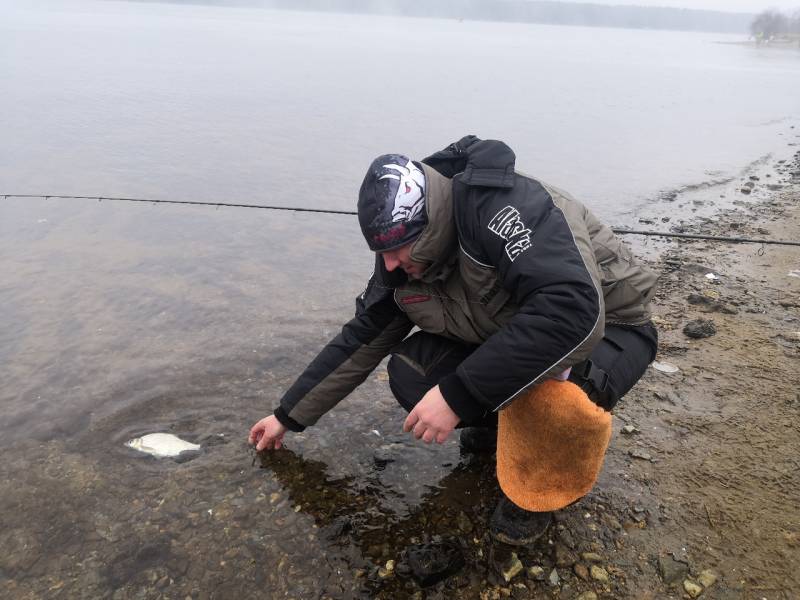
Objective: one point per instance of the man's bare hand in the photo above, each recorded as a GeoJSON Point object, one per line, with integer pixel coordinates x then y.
{"type": "Point", "coordinates": [267, 434]}
{"type": "Point", "coordinates": [432, 418]}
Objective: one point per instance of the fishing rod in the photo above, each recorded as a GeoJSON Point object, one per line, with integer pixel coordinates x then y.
{"type": "Point", "coordinates": [617, 230]}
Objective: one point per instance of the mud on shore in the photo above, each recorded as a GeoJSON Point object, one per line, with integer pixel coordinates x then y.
{"type": "Point", "coordinates": [699, 493]}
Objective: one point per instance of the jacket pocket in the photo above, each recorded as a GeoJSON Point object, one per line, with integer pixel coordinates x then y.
{"type": "Point", "coordinates": [423, 306]}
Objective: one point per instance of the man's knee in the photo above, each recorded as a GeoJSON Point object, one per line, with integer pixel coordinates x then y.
{"type": "Point", "coordinates": [420, 362]}
{"type": "Point", "coordinates": [616, 364]}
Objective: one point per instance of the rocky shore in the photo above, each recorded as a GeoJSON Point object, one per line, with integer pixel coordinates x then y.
{"type": "Point", "coordinates": [698, 496]}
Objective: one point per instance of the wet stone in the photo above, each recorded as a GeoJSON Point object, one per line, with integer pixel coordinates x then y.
{"type": "Point", "coordinates": [587, 596]}
{"type": "Point", "coordinates": [640, 454]}
{"type": "Point", "coordinates": [692, 588]}
{"type": "Point", "coordinates": [511, 568]}
{"type": "Point", "coordinates": [672, 570]}
{"type": "Point", "coordinates": [707, 578]}
{"type": "Point", "coordinates": [564, 556]}
{"type": "Point", "coordinates": [520, 591]}
{"type": "Point", "coordinates": [700, 328]}
{"type": "Point", "coordinates": [599, 574]}
{"type": "Point", "coordinates": [536, 573]}
{"type": "Point", "coordinates": [386, 454]}
{"type": "Point", "coordinates": [592, 557]}
{"type": "Point", "coordinates": [463, 523]}
{"type": "Point", "coordinates": [434, 562]}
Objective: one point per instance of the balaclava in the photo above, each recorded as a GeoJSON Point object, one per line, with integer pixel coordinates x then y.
{"type": "Point", "coordinates": [391, 203]}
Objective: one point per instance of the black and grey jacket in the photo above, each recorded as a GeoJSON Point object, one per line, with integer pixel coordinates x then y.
{"type": "Point", "coordinates": [517, 266]}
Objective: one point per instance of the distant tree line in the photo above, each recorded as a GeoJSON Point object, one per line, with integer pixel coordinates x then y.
{"type": "Point", "coordinates": [772, 24]}
{"type": "Point", "coordinates": [534, 11]}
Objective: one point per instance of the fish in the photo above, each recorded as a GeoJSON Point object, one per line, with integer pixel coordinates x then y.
{"type": "Point", "coordinates": [161, 445]}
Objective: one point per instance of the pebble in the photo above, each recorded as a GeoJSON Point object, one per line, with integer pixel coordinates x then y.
{"type": "Point", "coordinates": [599, 574]}
{"type": "Point", "coordinates": [384, 573]}
{"type": "Point", "coordinates": [520, 590]}
{"type": "Point", "coordinates": [553, 578]}
{"type": "Point", "coordinates": [563, 556]}
{"type": "Point", "coordinates": [432, 562]}
{"type": "Point", "coordinates": [692, 588]}
{"type": "Point", "coordinates": [513, 568]}
{"type": "Point", "coordinates": [671, 570]}
{"type": "Point", "coordinates": [587, 596]}
{"type": "Point", "coordinates": [463, 523]}
{"type": "Point", "coordinates": [707, 578]}
{"type": "Point", "coordinates": [536, 572]}
{"type": "Point", "coordinates": [636, 453]}
{"type": "Point", "coordinates": [592, 557]}
{"type": "Point", "coordinates": [581, 571]}
{"type": "Point", "coordinates": [629, 429]}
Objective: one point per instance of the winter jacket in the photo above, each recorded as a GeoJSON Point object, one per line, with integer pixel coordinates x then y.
{"type": "Point", "coordinates": [518, 267]}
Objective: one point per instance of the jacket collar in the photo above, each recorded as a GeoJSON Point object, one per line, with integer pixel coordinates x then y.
{"type": "Point", "coordinates": [438, 242]}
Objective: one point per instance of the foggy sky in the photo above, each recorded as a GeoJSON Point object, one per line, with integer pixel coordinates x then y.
{"type": "Point", "coordinates": [750, 6]}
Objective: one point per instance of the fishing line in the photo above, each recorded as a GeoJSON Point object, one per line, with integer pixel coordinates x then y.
{"type": "Point", "coordinates": [617, 230]}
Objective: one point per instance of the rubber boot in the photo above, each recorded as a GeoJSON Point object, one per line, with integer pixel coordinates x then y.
{"type": "Point", "coordinates": [515, 526]}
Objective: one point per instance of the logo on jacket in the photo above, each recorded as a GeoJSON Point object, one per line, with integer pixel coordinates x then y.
{"type": "Point", "coordinates": [409, 199]}
{"type": "Point", "coordinates": [507, 223]}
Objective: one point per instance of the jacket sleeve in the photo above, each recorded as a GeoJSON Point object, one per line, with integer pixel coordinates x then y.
{"type": "Point", "coordinates": [349, 358]}
{"type": "Point", "coordinates": [546, 262]}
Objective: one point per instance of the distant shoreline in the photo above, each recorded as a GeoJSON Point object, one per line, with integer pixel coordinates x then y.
{"type": "Point", "coordinates": [781, 45]}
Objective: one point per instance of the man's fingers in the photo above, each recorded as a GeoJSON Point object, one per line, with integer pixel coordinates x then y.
{"type": "Point", "coordinates": [442, 436]}
{"type": "Point", "coordinates": [428, 436]}
{"type": "Point", "coordinates": [410, 421]}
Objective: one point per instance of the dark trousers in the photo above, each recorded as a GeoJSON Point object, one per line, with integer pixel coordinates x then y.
{"type": "Point", "coordinates": [615, 365]}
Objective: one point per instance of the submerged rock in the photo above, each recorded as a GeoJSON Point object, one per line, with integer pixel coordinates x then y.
{"type": "Point", "coordinates": [434, 562]}
{"type": "Point", "coordinates": [161, 445]}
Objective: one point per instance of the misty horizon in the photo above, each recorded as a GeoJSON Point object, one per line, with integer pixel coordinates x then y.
{"type": "Point", "coordinates": [591, 14]}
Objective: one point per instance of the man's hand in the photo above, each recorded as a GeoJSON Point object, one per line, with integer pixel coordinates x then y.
{"type": "Point", "coordinates": [267, 434]}
{"type": "Point", "coordinates": [432, 418]}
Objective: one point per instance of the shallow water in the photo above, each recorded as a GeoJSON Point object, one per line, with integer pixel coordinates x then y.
{"type": "Point", "coordinates": [124, 319]}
